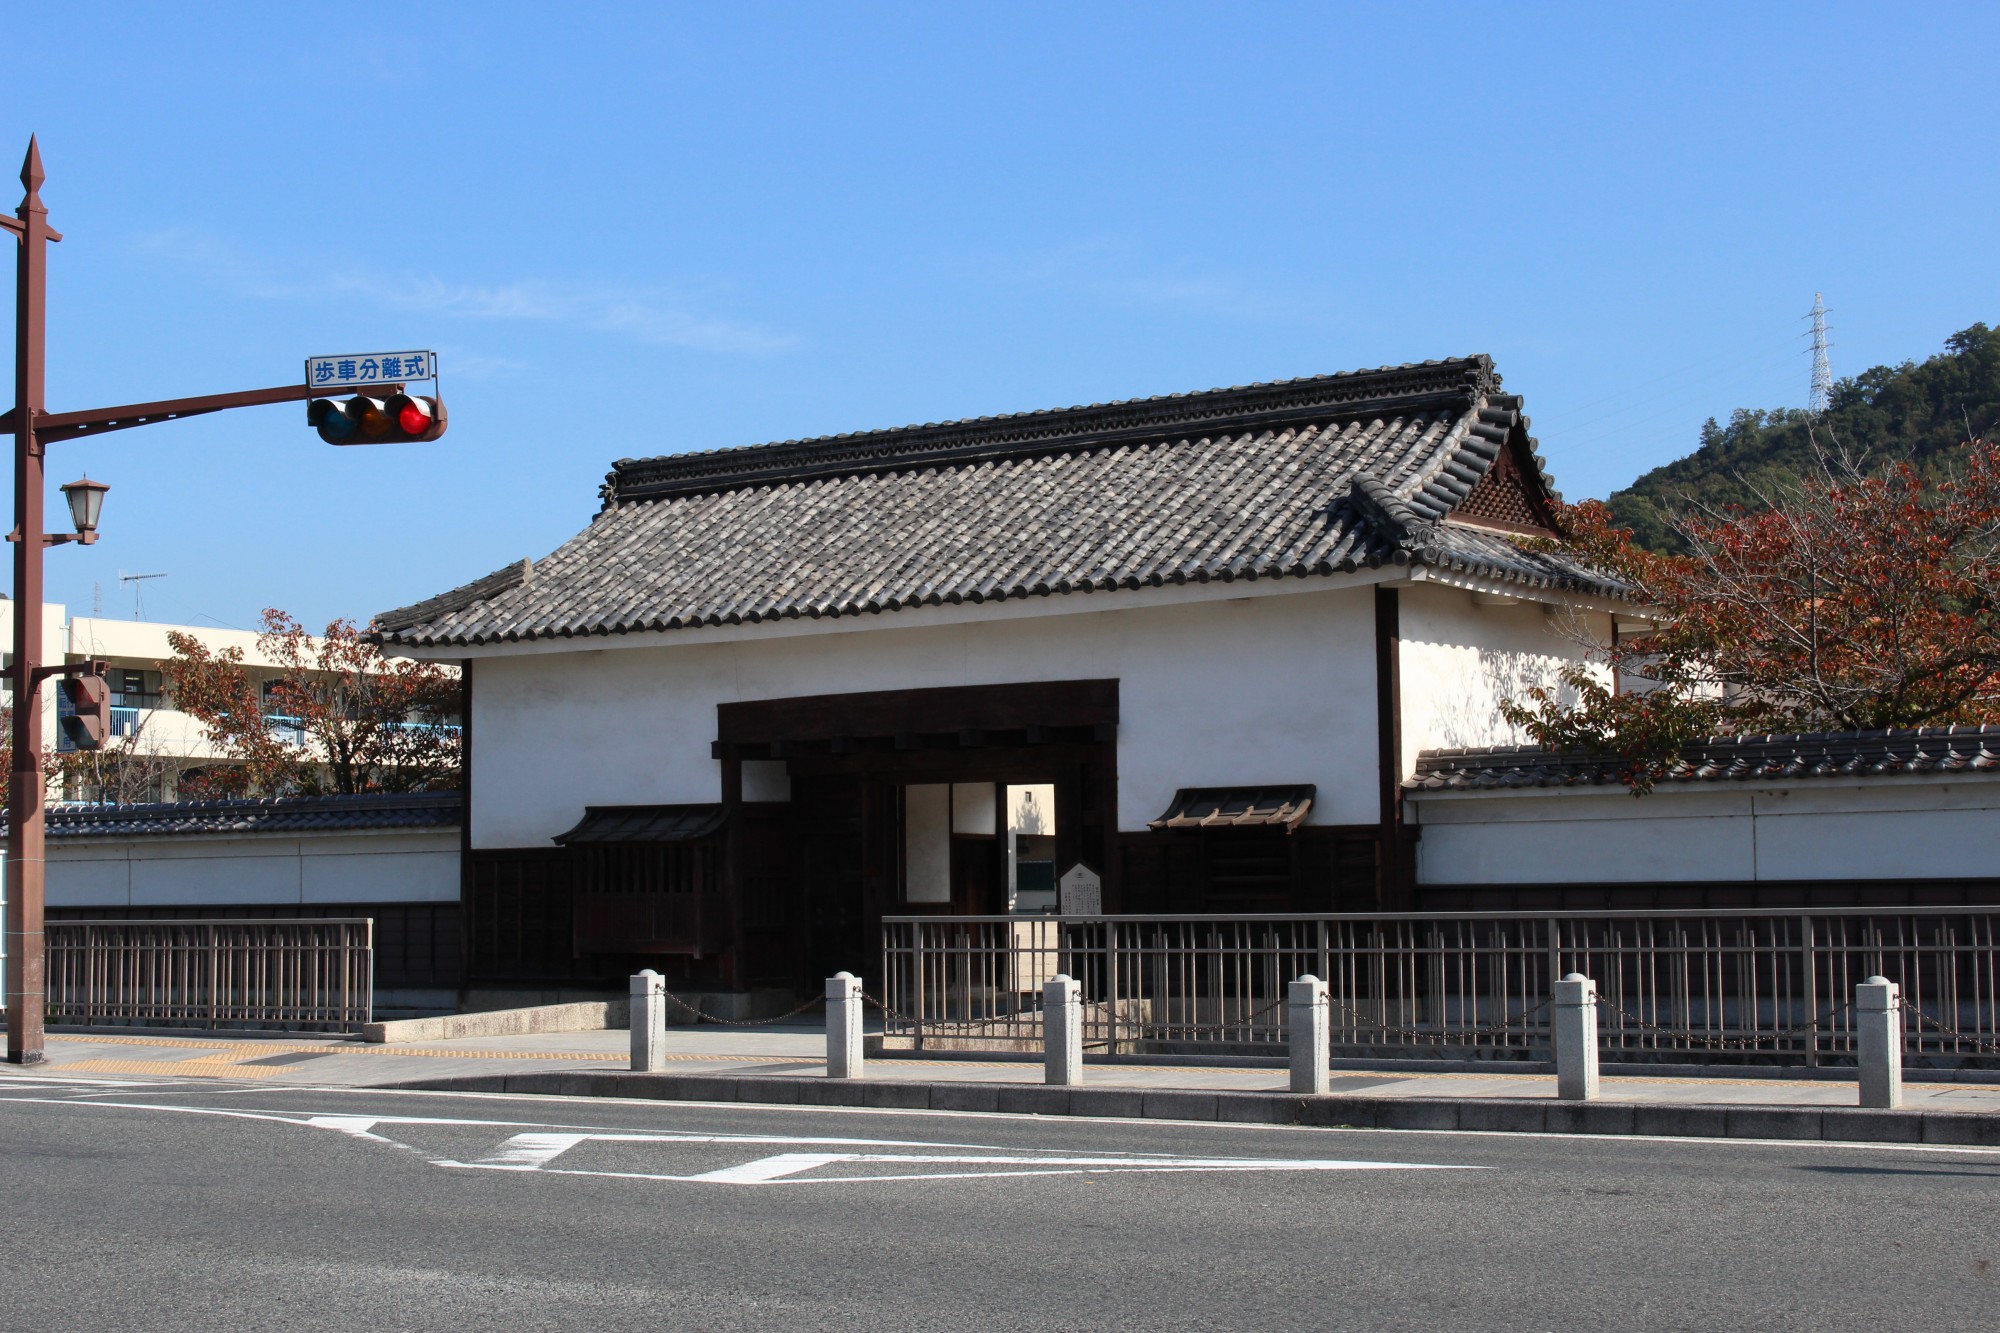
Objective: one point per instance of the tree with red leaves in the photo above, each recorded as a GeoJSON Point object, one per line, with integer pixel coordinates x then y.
{"type": "Point", "coordinates": [335, 717]}
{"type": "Point", "coordinates": [1846, 600]}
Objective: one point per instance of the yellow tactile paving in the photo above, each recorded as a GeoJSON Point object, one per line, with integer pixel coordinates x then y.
{"type": "Point", "coordinates": [277, 1048]}
{"type": "Point", "coordinates": [182, 1068]}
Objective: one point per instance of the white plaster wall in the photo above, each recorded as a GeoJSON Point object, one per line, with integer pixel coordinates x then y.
{"type": "Point", "coordinates": [343, 868]}
{"type": "Point", "coordinates": [974, 808]}
{"type": "Point", "coordinates": [1889, 829]}
{"type": "Point", "coordinates": [927, 843]}
{"type": "Point", "coordinates": [1256, 690]}
{"type": "Point", "coordinates": [1460, 659]}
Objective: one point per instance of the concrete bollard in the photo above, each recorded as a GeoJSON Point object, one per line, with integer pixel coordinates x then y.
{"type": "Point", "coordinates": [648, 1020]}
{"type": "Point", "coordinates": [1878, 1042]}
{"type": "Point", "coordinates": [1062, 1030]}
{"type": "Point", "coordinates": [1307, 1009]}
{"type": "Point", "coordinates": [843, 1025]}
{"type": "Point", "coordinates": [1576, 1038]}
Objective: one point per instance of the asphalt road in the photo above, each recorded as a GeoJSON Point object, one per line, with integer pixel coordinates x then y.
{"type": "Point", "coordinates": [245, 1207]}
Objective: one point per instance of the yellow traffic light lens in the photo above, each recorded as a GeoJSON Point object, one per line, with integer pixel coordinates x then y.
{"type": "Point", "coordinates": [373, 420]}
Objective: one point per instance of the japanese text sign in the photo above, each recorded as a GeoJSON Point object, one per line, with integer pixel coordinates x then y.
{"type": "Point", "coordinates": [366, 368]}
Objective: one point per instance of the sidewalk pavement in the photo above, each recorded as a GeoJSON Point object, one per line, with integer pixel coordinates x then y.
{"type": "Point", "coordinates": [799, 1051]}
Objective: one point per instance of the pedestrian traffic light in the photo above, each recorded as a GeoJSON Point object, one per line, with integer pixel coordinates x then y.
{"type": "Point", "coordinates": [398, 419]}
{"type": "Point", "coordinates": [86, 716]}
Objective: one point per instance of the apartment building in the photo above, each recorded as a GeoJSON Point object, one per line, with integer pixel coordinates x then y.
{"type": "Point", "coordinates": [157, 744]}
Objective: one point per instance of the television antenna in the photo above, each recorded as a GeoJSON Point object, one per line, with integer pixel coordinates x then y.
{"type": "Point", "coordinates": [138, 591]}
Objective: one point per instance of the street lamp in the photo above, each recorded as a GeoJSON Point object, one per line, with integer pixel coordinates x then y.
{"type": "Point", "coordinates": [86, 501]}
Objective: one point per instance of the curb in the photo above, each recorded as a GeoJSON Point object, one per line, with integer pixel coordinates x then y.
{"type": "Point", "coordinates": [583, 1016]}
{"type": "Point", "coordinates": [1332, 1111]}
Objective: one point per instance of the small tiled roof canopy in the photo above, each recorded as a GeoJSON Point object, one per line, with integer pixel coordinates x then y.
{"type": "Point", "coordinates": [645, 823]}
{"type": "Point", "coordinates": [299, 814]}
{"type": "Point", "coordinates": [1723, 759]}
{"type": "Point", "coordinates": [1237, 807]}
{"type": "Point", "coordinates": [1426, 464]}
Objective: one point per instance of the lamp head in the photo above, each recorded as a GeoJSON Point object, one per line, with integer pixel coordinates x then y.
{"type": "Point", "coordinates": [86, 502]}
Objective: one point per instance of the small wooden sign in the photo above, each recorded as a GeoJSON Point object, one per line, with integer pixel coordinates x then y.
{"type": "Point", "coordinates": [1081, 891]}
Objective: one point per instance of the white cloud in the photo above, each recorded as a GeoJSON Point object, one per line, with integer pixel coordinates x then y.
{"type": "Point", "coordinates": [1110, 273]}
{"type": "Point", "coordinates": [477, 365]}
{"type": "Point", "coordinates": [647, 314]}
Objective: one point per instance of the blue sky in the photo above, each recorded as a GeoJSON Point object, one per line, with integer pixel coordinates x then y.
{"type": "Point", "coordinates": [639, 229]}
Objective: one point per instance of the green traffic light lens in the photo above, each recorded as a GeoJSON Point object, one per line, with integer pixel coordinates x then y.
{"type": "Point", "coordinates": [332, 422]}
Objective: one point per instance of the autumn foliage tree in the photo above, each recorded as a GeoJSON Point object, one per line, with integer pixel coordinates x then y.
{"type": "Point", "coordinates": [335, 717]}
{"type": "Point", "coordinates": [1844, 599]}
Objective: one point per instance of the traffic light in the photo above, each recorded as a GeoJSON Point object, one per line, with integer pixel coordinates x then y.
{"type": "Point", "coordinates": [86, 712]}
{"type": "Point", "coordinates": [398, 419]}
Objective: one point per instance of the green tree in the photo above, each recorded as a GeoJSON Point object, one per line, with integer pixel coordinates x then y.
{"type": "Point", "coordinates": [1919, 412]}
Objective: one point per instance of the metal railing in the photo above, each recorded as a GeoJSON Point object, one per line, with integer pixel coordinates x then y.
{"type": "Point", "coordinates": [1742, 985]}
{"type": "Point", "coordinates": [307, 975]}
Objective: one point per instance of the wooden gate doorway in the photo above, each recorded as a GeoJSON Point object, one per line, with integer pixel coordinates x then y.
{"type": "Point", "coordinates": [903, 802]}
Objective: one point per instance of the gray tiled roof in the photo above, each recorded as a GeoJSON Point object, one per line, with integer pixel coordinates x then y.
{"type": "Point", "coordinates": [305, 814]}
{"type": "Point", "coordinates": [1294, 479]}
{"type": "Point", "coordinates": [646, 823]}
{"type": "Point", "coordinates": [1723, 759]}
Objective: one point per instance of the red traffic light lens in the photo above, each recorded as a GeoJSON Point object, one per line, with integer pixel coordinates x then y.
{"type": "Point", "coordinates": [413, 416]}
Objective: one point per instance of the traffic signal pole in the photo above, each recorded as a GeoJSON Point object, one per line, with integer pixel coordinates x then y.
{"type": "Point", "coordinates": [27, 959]}
{"type": "Point", "coordinates": [33, 428]}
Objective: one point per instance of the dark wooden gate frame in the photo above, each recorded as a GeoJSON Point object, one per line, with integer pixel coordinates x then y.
{"type": "Point", "coordinates": [1059, 732]}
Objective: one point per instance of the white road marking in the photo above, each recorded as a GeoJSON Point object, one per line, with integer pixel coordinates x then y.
{"type": "Point", "coordinates": [209, 1088]}
{"type": "Point", "coordinates": [533, 1150]}
{"type": "Point", "coordinates": [770, 1168]}
{"type": "Point", "coordinates": [43, 1082]}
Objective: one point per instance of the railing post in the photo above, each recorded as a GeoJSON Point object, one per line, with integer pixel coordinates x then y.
{"type": "Point", "coordinates": [1808, 947]}
{"type": "Point", "coordinates": [1111, 982]}
{"type": "Point", "coordinates": [648, 1020]}
{"type": "Point", "coordinates": [843, 1026]}
{"type": "Point", "coordinates": [1576, 1038]}
{"type": "Point", "coordinates": [920, 1011]}
{"type": "Point", "coordinates": [1878, 1042]}
{"type": "Point", "coordinates": [1310, 1035]}
{"type": "Point", "coordinates": [1062, 1030]}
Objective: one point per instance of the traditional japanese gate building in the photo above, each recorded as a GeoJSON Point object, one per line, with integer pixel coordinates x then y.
{"type": "Point", "coordinates": [1191, 643]}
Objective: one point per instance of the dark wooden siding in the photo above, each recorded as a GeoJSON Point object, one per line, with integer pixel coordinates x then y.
{"type": "Point", "coordinates": [518, 916]}
{"type": "Point", "coordinates": [1769, 894]}
{"type": "Point", "coordinates": [1312, 869]}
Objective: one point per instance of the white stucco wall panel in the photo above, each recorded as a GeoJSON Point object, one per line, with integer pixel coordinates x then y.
{"type": "Point", "coordinates": [1460, 659]}
{"type": "Point", "coordinates": [96, 881]}
{"type": "Point", "coordinates": [1886, 844]}
{"type": "Point", "coordinates": [337, 874]}
{"type": "Point", "coordinates": [1599, 805]}
{"type": "Point", "coordinates": [220, 874]}
{"type": "Point", "coordinates": [1253, 690]}
{"type": "Point", "coordinates": [1915, 828]}
{"type": "Point", "coordinates": [342, 868]}
{"type": "Point", "coordinates": [1586, 851]}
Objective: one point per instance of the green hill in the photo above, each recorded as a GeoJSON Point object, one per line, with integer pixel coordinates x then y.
{"type": "Point", "coordinates": [1918, 410]}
